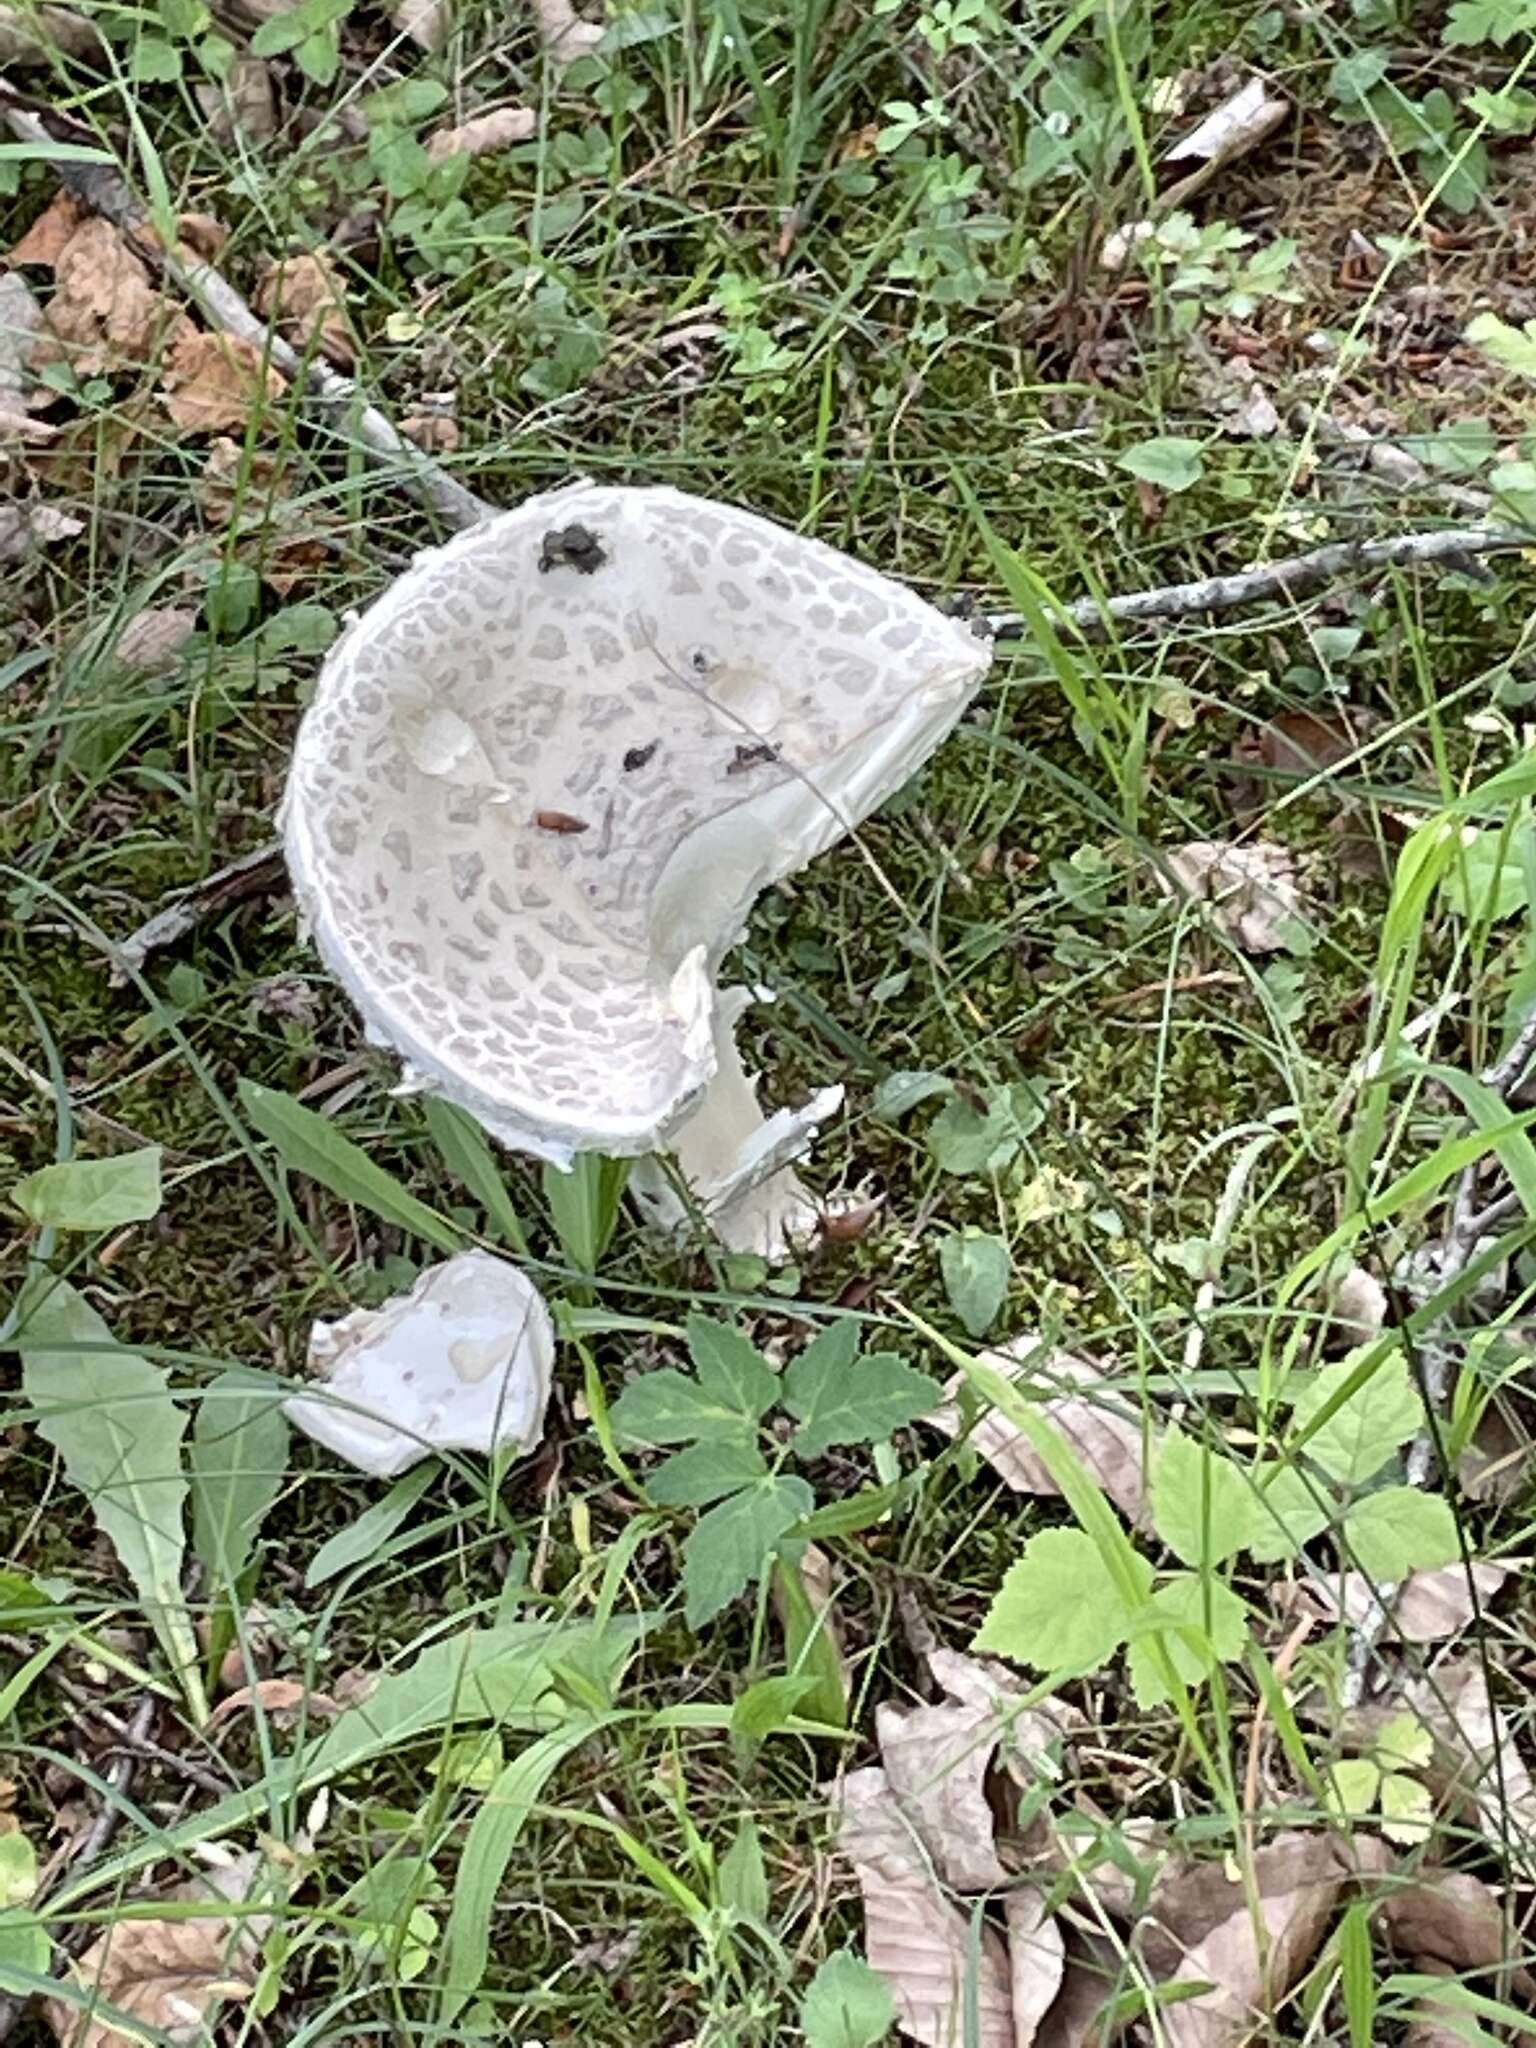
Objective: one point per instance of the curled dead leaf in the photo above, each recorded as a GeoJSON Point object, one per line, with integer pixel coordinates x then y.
{"type": "Point", "coordinates": [1357, 1303]}
{"type": "Point", "coordinates": [37, 35]}
{"type": "Point", "coordinates": [244, 102]}
{"type": "Point", "coordinates": [104, 311]}
{"type": "Point", "coordinates": [212, 382]}
{"type": "Point", "coordinates": [153, 638]}
{"type": "Point", "coordinates": [21, 319]}
{"type": "Point", "coordinates": [1077, 1396]}
{"type": "Point", "coordinates": [1428, 1607]}
{"type": "Point", "coordinates": [303, 296]}
{"type": "Point", "coordinates": [565, 34]}
{"type": "Point", "coordinates": [914, 1937]}
{"type": "Point", "coordinates": [49, 234]}
{"type": "Point", "coordinates": [1036, 1961]}
{"type": "Point", "coordinates": [1251, 887]}
{"type": "Point", "coordinates": [1449, 1918]}
{"type": "Point", "coordinates": [485, 133]}
{"type": "Point", "coordinates": [27, 529]}
{"type": "Point", "coordinates": [1200, 1929]}
{"type": "Point", "coordinates": [284, 1701]}
{"type": "Point", "coordinates": [435, 433]}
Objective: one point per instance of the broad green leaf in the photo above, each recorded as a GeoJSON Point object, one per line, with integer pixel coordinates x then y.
{"type": "Point", "coordinates": [584, 1205]}
{"type": "Point", "coordinates": [24, 1945]}
{"type": "Point", "coordinates": [18, 1869]}
{"type": "Point", "coordinates": [743, 1878]}
{"type": "Point", "coordinates": [1400, 1530]}
{"type": "Point", "coordinates": [976, 1271]}
{"type": "Point", "coordinates": [1404, 1743]}
{"type": "Point", "coordinates": [731, 1368]}
{"type": "Point", "coordinates": [92, 1194]}
{"type": "Point", "coordinates": [1513, 347]}
{"type": "Point", "coordinates": [355, 1542]}
{"type": "Point", "coordinates": [1353, 1431]}
{"type": "Point", "coordinates": [1287, 1512]}
{"type": "Point", "coordinates": [1171, 461]}
{"type": "Point", "coordinates": [1357, 1974]}
{"type": "Point", "coordinates": [1487, 878]}
{"type": "Point", "coordinates": [705, 1472]}
{"type": "Point", "coordinates": [239, 1454]}
{"type": "Point", "coordinates": [809, 1648]}
{"type": "Point", "coordinates": [966, 1140]}
{"type": "Point", "coordinates": [310, 1143]}
{"type": "Point", "coordinates": [667, 1407]}
{"type": "Point", "coordinates": [1199, 1621]}
{"type": "Point", "coordinates": [846, 2005]}
{"type": "Point", "coordinates": [108, 1413]}
{"type": "Point", "coordinates": [839, 1398]}
{"type": "Point", "coordinates": [493, 1835]}
{"type": "Point", "coordinates": [1058, 1607]}
{"type": "Point", "coordinates": [855, 1511]}
{"type": "Point", "coordinates": [766, 1708]}
{"type": "Point", "coordinates": [1202, 1501]}
{"type": "Point", "coordinates": [730, 1546]}
{"type": "Point", "coordinates": [467, 1152]}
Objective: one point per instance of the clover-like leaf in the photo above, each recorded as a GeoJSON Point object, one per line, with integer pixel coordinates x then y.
{"type": "Point", "coordinates": [1059, 1607]}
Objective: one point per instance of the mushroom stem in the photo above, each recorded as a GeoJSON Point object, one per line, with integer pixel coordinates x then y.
{"type": "Point", "coordinates": [736, 1161]}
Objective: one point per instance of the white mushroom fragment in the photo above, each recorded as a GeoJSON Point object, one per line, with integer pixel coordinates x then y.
{"type": "Point", "coordinates": [461, 1363]}
{"type": "Point", "coordinates": [545, 777]}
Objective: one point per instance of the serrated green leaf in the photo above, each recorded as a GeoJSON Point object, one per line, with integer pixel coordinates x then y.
{"type": "Point", "coordinates": [743, 1878]}
{"type": "Point", "coordinates": [731, 1545]}
{"type": "Point", "coordinates": [92, 1194]}
{"type": "Point", "coordinates": [1288, 1512]}
{"type": "Point", "coordinates": [731, 1368]}
{"type": "Point", "coordinates": [1171, 461]}
{"type": "Point", "coordinates": [1367, 1425]}
{"type": "Point", "coordinates": [310, 1143]}
{"type": "Point", "coordinates": [1199, 1623]}
{"type": "Point", "coordinates": [705, 1472]}
{"type": "Point", "coordinates": [1407, 1809]}
{"type": "Point", "coordinates": [1353, 1783]}
{"type": "Point", "coordinates": [839, 1398]}
{"type": "Point", "coordinates": [1203, 1506]}
{"type": "Point", "coordinates": [846, 2005]}
{"type": "Point", "coordinates": [1404, 1743]}
{"type": "Point", "coordinates": [976, 1270]}
{"type": "Point", "coordinates": [1058, 1607]}
{"type": "Point", "coordinates": [667, 1407]}
{"type": "Point", "coordinates": [108, 1413]}
{"type": "Point", "coordinates": [1400, 1530]}
{"type": "Point", "coordinates": [1471, 22]}
{"type": "Point", "coordinates": [238, 1457]}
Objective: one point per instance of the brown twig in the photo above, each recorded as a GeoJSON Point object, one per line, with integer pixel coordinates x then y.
{"type": "Point", "coordinates": [260, 869]}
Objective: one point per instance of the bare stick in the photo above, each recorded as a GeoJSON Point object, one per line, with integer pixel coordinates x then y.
{"type": "Point", "coordinates": [1286, 578]}
{"type": "Point", "coordinates": [260, 869]}
{"type": "Point", "coordinates": [104, 191]}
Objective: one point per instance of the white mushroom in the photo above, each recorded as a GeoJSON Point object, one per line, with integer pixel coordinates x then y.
{"type": "Point", "coordinates": [461, 1363]}
{"type": "Point", "coordinates": [542, 782]}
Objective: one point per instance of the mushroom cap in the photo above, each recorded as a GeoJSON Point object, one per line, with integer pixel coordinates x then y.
{"type": "Point", "coordinates": [545, 776]}
{"type": "Point", "coordinates": [461, 1363]}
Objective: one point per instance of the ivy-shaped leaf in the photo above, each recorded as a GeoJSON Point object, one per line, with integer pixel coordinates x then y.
{"type": "Point", "coordinates": [840, 1398]}
{"type": "Point", "coordinates": [1058, 1607]}
{"type": "Point", "coordinates": [1203, 1504]}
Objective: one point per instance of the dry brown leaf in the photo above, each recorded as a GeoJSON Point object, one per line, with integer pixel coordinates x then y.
{"type": "Point", "coordinates": [303, 296]}
{"type": "Point", "coordinates": [212, 382]}
{"type": "Point", "coordinates": [426, 22]}
{"type": "Point", "coordinates": [204, 234]}
{"type": "Point", "coordinates": [152, 639]}
{"type": "Point", "coordinates": [104, 311]}
{"type": "Point", "coordinates": [21, 319]}
{"type": "Point", "coordinates": [1199, 1929]}
{"type": "Point", "coordinates": [284, 1701]}
{"type": "Point", "coordinates": [1429, 1606]}
{"type": "Point", "coordinates": [29, 528]}
{"type": "Point", "coordinates": [170, 1974]}
{"type": "Point", "coordinates": [1449, 1918]}
{"type": "Point", "coordinates": [914, 1937]}
{"type": "Point", "coordinates": [486, 132]}
{"type": "Point", "coordinates": [1092, 1973]}
{"type": "Point", "coordinates": [1497, 1463]}
{"type": "Point", "coordinates": [1104, 1431]}
{"type": "Point", "coordinates": [564, 33]}
{"type": "Point", "coordinates": [1036, 1962]}
{"type": "Point", "coordinates": [49, 234]}
{"type": "Point", "coordinates": [1251, 886]}
{"type": "Point", "coordinates": [244, 102]}
{"type": "Point", "coordinates": [1357, 1305]}
{"type": "Point", "coordinates": [435, 433]}
{"type": "Point", "coordinates": [1475, 1761]}
{"type": "Point", "coordinates": [35, 35]}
